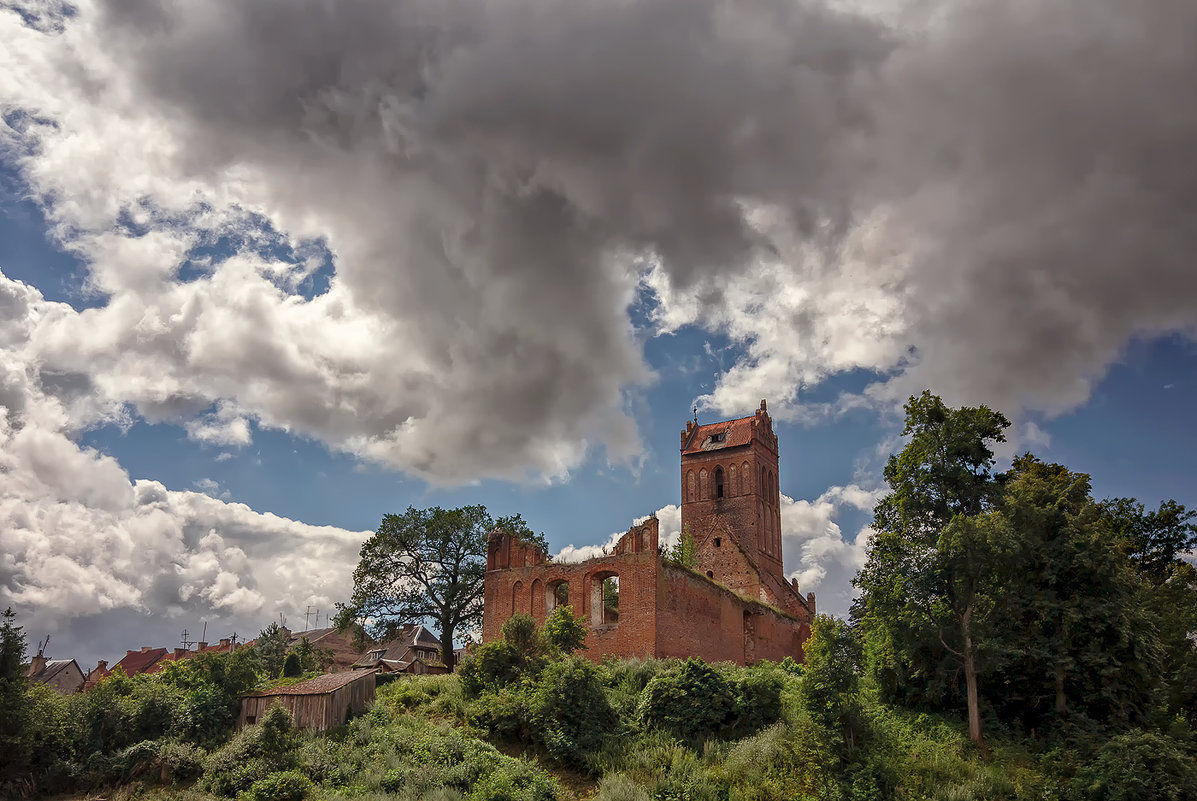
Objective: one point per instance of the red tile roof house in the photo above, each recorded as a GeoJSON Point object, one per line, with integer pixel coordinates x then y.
{"type": "Point", "coordinates": [134, 662]}
{"type": "Point", "coordinates": [320, 703]}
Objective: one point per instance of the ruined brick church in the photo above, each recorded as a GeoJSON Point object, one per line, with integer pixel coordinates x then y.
{"type": "Point", "coordinates": [734, 605]}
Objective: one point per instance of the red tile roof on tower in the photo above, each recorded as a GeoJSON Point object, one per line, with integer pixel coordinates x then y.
{"type": "Point", "coordinates": [706, 437]}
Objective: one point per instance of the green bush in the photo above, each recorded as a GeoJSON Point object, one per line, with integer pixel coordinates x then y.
{"type": "Point", "coordinates": [618, 787]}
{"type": "Point", "coordinates": [758, 700]}
{"type": "Point", "coordinates": [180, 762]}
{"type": "Point", "coordinates": [563, 632]}
{"type": "Point", "coordinates": [292, 666]}
{"type": "Point", "coordinates": [505, 714]}
{"type": "Point", "coordinates": [693, 702]}
{"type": "Point", "coordinates": [520, 632]}
{"type": "Point", "coordinates": [322, 761]}
{"type": "Point", "coordinates": [1137, 766]}
{"type": "Point", "coordinates": [570, 713]}
{"type": "Point", "coordinates": [493, 665]}
{"type": "Point", "coordinates": [286, 785]}
{"type": "Point", "coordinates": [252, 755]}
{"type": "Point", "coordinates": [514, 781]}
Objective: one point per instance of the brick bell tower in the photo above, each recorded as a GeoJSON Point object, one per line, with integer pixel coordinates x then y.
{"type": "Point", "coordinates": [730, 489]}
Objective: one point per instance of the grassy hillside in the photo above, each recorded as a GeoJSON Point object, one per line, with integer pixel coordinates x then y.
{"type": "Point", "coordinates": [427, 738]}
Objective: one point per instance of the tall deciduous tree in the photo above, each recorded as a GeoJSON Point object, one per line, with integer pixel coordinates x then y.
{"type": "Point", "coordinates": [1156, 543]}
{"type": "Point", "coordinates": [427, 564]}
{"type": "Point", "coordinates": [1077, 626]}
{"type": "Point", "coordinates": [929, 579]}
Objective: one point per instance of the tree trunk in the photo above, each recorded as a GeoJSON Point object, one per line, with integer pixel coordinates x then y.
{"type": "Point", "coordinates": [447, 645]}
{"type": "Point", "coordinates": [970, 684]}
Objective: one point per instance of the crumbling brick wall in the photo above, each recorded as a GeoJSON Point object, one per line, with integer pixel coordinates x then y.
{"type": "Point", "coordinates": [664, 610]}
{"type": "Point", "coordinates": [736, 605]}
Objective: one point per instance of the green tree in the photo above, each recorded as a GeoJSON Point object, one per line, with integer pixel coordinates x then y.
{"type": "Point", "coordinates": [311, 657]}
{"type": "Point", "coordinates": [271, 645]}
{"type": "Point", "coordinates": [692, 702]}
{"type": "Point", "coordinates": [427, 564]}
{"type": "Point", "coordinates": [929, 577]}
{"type": "Point", "coordinates": [1154, 541]}
{"type": "Point", "coordinates": [14, 709]}
{"type": "Point", "coordinates": [831, 685]}
{"type": "Point", "coordinates": [563, 631]}
{"type": "Point", "coordinates": [685, 552]}
{"type": "Point", "coordinates": [292, 667]}
{"type": "Point", "coordinates": [1078, 628]}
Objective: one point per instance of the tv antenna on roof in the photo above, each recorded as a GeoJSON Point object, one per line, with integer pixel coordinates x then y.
{"type": "Point", "coordinates": [186, 643]}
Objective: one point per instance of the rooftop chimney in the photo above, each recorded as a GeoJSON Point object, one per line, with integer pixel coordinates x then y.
{"type": "Point", "coordinates": [179, 652]}
{"type": "Point", "coordinates": [36, 665]}
{"type": "Point", "coordinates": [224, 642]}
{"type": "Point", "coordinates": [199, 646]}
{"type": "Point", "coordinates": [145, 648]}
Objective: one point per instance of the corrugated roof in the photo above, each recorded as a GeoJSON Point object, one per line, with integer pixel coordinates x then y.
{"type": "Point", "coordinates": [724, 434]}
{"type": "Point", "coordinates": [51, 669]}
{"type": "Point", "coordinates": [317, 686]}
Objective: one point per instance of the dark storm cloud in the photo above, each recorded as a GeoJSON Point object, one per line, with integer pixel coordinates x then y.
{"type": "Point", "coordinates": [1035, 155]}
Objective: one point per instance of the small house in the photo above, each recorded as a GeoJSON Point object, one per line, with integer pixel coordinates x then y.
{"type": "Point", "coordinates": [61, 675]}
{"type": "Point", "coordinates": [319, 703]}
{"type": "Point", "coordinates": [411, 649]}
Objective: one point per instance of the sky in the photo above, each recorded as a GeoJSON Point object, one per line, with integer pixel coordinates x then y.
{"type": "Point", "coordinates": [270, 270]}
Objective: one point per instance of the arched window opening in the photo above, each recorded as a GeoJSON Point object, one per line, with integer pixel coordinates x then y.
{"type": "Point", "coordinates": [718, 482]}
{"type": "Point", "coordinates": [691, 489]}
{"type": "Point", "coordinates": [516, 590]}
{"type": "Point", "coordinates": [702, 484]}
{"type": "Point", "coordinates": [732, 486]}
{"type": "Point", "coordinates": [745, 479]}
{"type": "Point", "coordinates": [718, 541]}
{"type": "Point", "coordinates": [604, 600]}
{"type": "Point", "coordinates": [556, 595]}
{"type": "Point", "coordinates": [710, 574]}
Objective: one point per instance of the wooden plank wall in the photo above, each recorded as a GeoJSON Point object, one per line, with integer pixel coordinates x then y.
{"type": "Point", "coordinates": [318, 711]}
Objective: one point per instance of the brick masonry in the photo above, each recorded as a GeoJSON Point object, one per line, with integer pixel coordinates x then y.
{"type": "Point", "coordinates": [736, 605]}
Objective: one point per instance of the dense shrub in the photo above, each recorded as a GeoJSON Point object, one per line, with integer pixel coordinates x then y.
{"type": "Point", "coordinates": [505, 714]}
{"type": "Point", "coordinates": [292, 667]}
{"type": "Point", "coordinates": [1137, 766]}
{"type": "Point", "coordinates": [180, 762]}
{"type": "Point", "coordinates": [758, 700]}
{"type": "Point", "coordinates": [252, 755]}
{"type": "Point", "coordinates": [563, 631]}
{"type": "Point", "coordinates": [493, 666]}
{"type": "Point", "coordinates": [570, 713]}
{"type": "Point", "coordinates": [692, 702]}
{"type": "Point", "coordinates": [618, 787]}
{"type": "Point", "coordinates": [286, 785]}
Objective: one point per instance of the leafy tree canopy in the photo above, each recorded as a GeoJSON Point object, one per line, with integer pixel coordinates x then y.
{"type": "Point", "coordinates": [428, 564]}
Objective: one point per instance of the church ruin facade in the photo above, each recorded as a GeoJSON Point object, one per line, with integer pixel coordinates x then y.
{"type": "Point", "coordinates": [734, 605]}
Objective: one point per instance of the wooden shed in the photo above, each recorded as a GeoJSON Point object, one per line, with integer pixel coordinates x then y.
{"type": "Point", "coordinates": [319, 703]}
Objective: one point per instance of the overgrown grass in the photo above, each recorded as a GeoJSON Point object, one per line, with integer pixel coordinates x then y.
{"type": "Point", "coordinates": [418, 744]}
